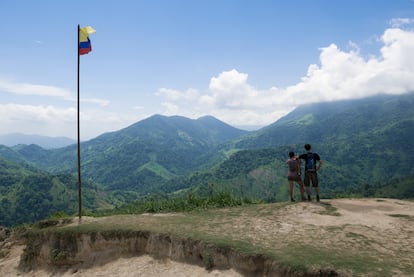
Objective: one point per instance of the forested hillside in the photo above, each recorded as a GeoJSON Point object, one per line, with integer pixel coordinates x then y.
{"type": "Point", "coordinates": [261, 174]}
{"type": "Point", "coordinates": [342, 120]}
{"type": "Point", "coordinates": [366, 146]}
{"type": "Point", "coordinates": [139, 157]}
{"type": "Point", "coordinates": [362, 142]}
{"type": "Point", "coordinates": [28, 194]}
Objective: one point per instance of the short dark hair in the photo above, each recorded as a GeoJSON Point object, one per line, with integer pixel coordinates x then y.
{"type": "Point", "coordinates": [307, 147]}
{"type": "Point", "coordinates": [291, 154]}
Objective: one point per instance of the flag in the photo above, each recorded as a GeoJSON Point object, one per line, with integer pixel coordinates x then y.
{"type": "Point", "coordinates": [84, 42]}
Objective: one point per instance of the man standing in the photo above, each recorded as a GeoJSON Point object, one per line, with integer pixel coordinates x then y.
{"type": "Point", "coordinates": [312, 164]}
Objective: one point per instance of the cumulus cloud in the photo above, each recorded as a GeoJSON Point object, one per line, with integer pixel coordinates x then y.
{"type": "Point", "coordinates": [338, 75]}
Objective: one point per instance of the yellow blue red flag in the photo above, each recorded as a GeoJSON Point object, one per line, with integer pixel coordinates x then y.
{"type": "Point", "coordinates": [84, 42]}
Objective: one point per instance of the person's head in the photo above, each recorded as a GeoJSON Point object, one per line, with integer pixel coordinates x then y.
{"type": "Point", "coordinates": [291, 154]}
{"type": "Point", "coordinates": [307, 147]}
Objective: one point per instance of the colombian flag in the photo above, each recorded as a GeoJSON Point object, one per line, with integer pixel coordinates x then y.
{"type": "Point", "coordinates": [84, 43]}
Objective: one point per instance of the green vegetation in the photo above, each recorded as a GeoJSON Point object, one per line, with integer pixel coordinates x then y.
{"type": "Point", "coordinates": [178, 204]}
{"type": "Point", "coordinates": [30, 195]}
{"type": "Point", "coordinates": [329, 209]}
{"type": "Point", "coordinates": [403, 216]}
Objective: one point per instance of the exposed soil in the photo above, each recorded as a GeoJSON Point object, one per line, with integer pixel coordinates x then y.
{"type": "Point", "coordinates": [383, 226]}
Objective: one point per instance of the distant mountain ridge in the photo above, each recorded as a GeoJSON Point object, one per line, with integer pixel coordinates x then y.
{"type": "Point", "coordinates": [46, 142]}
{"type": "Point", "coordinates": [205, 131]}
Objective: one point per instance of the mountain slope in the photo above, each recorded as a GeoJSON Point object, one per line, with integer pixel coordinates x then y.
{"type": "Point", "coordinates": [151, 151]}
{"type": "Point", "coordinates": [28, 194]}
{"type": "Point", "coordinates": [361, 142]}
{"type": "Point", "coordinates": [328, 121]}
{"type": "Point", "coordinates": [140, 156]}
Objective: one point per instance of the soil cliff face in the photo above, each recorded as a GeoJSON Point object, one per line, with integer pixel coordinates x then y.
{"type": "Point", "coordinates": [66, 249]}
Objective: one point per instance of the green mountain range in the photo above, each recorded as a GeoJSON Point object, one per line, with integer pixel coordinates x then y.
{"type": "Point", "coordinates": [366, 146]}
{"type": "Point", "coordinates": [361, 142]}
{"type": "Point", "coordinates": [140, 156]}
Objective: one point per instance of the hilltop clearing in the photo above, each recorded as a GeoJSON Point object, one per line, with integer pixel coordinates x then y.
{"type": "Point", "coordinates": [340, 237]}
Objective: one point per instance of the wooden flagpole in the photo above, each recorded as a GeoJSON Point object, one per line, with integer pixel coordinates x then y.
{"type": "Point", "coordinates": [79, 163]}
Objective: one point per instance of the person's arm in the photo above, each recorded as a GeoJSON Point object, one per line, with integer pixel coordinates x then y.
{"type": "Point", "coordinates": [319, 165]}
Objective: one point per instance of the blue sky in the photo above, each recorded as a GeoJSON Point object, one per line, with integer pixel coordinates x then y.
{"type": "Point", "coordinates": [246, 62]}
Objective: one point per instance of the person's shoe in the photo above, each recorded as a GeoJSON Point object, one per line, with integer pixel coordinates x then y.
{"type": "Point", "coordinates": [292, 200]}
{"type": "Point", "coordinates": [309, 198]}
{"type": "Point", "coordinates": [317, 198]}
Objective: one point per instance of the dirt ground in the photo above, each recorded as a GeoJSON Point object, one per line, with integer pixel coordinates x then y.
{"type": "Point", "coordinates": [388, 225]}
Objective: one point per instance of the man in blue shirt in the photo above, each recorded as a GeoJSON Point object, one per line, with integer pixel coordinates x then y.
{"type": "Point", "coordinates": [312, 164]}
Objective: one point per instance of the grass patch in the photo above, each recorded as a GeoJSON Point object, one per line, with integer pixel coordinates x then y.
{"type": "Point", "coordinates": [334, 228]}
{"type": "Point", "coordinates": [329, 209]}
{"type": "Point", "coordinates": [187, 203]}
{"type": "Point", "coordinates": [355, 236]}
{"type": "Point", "coordinates": [403, 216]}
{"type": "Point", "coordinates": [308, 257]}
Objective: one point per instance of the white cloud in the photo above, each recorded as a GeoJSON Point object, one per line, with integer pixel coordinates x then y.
{"type": "Point", "coordinates": [339, 75]}
{"type": "Point", "coordinates": [97, 101]}
{"type": "Point", "coordinates": [12, 87]}
{"type": "Point", "coordinates": [174, 95]}
{"type": "Point", "coordinates": [230, 90]}
{"type": "Point", "coordinates": [32, 89]}
{"type": "Point", "coordinates": [37, 119]}
{"type": "Point", "coordinates": [400, 22]}
{"type": "Point", "coordinates": [170, 108]}
{"type": "Point", "coordinates": [54, 121]}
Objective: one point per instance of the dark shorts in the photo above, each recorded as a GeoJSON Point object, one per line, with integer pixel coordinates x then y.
{"type": "Point", "coordinates": [294, 178]}
{"type": "Point", "coordinates": [311, 176]}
